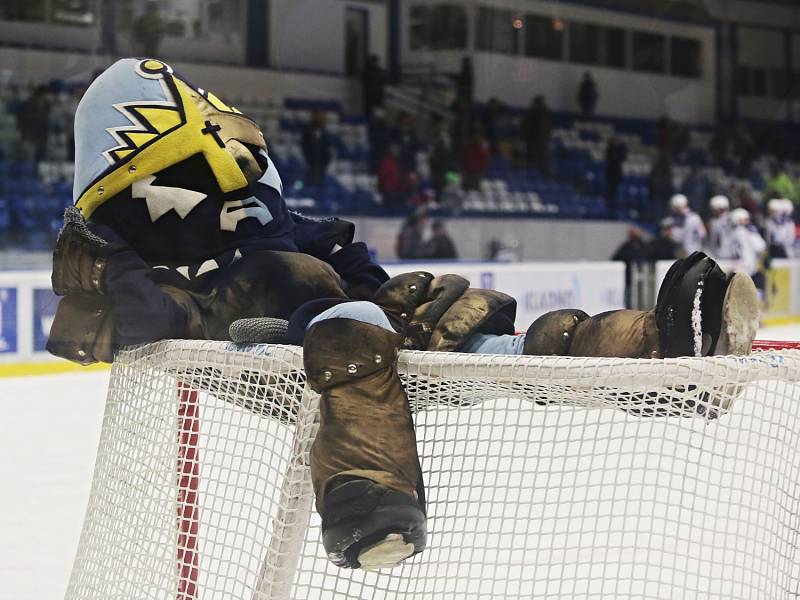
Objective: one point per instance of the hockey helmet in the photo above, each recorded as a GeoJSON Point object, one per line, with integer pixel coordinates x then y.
{"type": "Point", "coordinates": [679, 202]}
{"type": "Point", "coordinates": [740, 216]}
{"type": "Point", "coordinates": [139, 117]}
{"type": "Point", "coordinates": [719, 202]}
{"type": "Point", "coordinates": [776, 206]}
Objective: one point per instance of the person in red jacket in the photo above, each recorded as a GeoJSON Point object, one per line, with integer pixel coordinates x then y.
{"type": "Point", "coordinates": [476, 159]}
{"type": "Point", "coordinates": [391, 179]}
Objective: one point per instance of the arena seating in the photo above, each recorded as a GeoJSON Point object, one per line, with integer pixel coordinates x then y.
{"type": "Point", "coordinates": [32, 197]}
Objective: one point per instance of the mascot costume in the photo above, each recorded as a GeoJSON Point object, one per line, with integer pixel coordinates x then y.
{"type": "Point", "coordinates": [179, 228]}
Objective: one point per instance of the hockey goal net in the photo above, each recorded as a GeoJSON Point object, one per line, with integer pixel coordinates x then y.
{"type": "Point", "coordinates": [546, 477]}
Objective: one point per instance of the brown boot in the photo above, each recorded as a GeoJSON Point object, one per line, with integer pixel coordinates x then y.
{"type": "Point", "coordinates": [570, 332]}
{"type": "Point", "coordinates": [364, 463]}
{"type": "Point", "coordinates": [701, 311]}
{"type": "Point", "coordinates": [80, 257]}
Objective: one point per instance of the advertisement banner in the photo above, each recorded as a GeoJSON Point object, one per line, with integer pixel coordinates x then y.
{"type": "Point", "coordinates": [45, 303]}
{"type": "Point", "coordinates": [594, 287]}
{"type": "Point", "coordinates": [8, 320]}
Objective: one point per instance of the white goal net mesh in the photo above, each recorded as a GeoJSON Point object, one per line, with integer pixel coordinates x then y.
{"type": "Point", "coordinates": [546, 477]}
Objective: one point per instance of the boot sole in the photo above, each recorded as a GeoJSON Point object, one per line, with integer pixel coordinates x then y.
{"type": "Point", "coordinates": [385, 537]}
{"type": "Point", "coordinates": [741, 313]}
{"type": "Point", "coordinates": [388, 553]}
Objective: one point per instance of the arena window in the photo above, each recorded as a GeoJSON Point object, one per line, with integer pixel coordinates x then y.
{"type": "Point", "coordinates": [685, 57]}
{"type": "Point", "coordinates": [543, 38]}
{"type": "Point", "coordinates": [758, 81]}
{"type": "Point", "coordinates": [439, 27]}
{"type": "Point", "coordinates": [40, 11]}
{"type": "Point", "coordinates": [778, 83]}
{"type": "Point", "coordinates": [496, 32]}
{"type": "Point", "coordinates": [597, 45]}
{"type": "Point", "coordinates": [649, 52]}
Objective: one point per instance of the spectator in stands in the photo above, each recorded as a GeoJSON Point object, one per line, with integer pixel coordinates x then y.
{"type": "Point", "coordinates": [378, 132]}
{"type": "Point", "coordinates": [779, 184]}
{"type": "Point", "coordinates": [587, 95]}
{"type": "Point", "coordinates": [391, 178]}
{"type": "Point", "coordinates": [632, 251]}
{"type": "Point", "coordinates": [74, 98]}
{"type": "Point", "coordinates": [492, 115]}
{"type": "Point", "coordinates": [663, 247]}
{"type": "Point", "coordinates": [672, 138]}
{"type": "Point", "coordinates": [440, 246]}
{"type": "Point", "coordinates": [9, 132]}
{"type": "Point", "coordinates": [462, 107]}
{"type": "Point", "coordinates": [316, 146]}
{"type": "Point", "coordinates": [616, 153]}
{"type": "Point", "coordinates": [537, 125]}
{"type": "Point", "coordinates": [660, 183]}
{"type": "Point", "coordinates": [720, 144]}
{"type": "Point", "coordinates": [732, 146]}
{"type": "Point", "coordinates": [441, 162]}
{"type": "Point", "coordinates": [32, 121]}
{"type": "Point", "coordinates": [475, 160]}
{"type": "Point", "coordinates": [62, 115]}
{"type": "Point", "coordinates": [697, 189]}
{"type": "Point", "coordinates": [406, 139]}
{"type": "Point", "coordinates": [466, 80]}
{"type": "Point", "coordinates": [745, 150]}
{"type": "Point", "coordinates": [373, 84]}
{"type": "Point", "coordinates": [410, 239]}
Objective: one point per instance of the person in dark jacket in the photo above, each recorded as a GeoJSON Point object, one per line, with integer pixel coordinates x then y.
{"type": "Point", "coordinates": [33, 121]}
{"type": "Point", "coordinates": [410, 238]}
{"type": "Point", "coordinates": [587, 95]}
{"type": "Point", "coordinates": [475, 158]}
{"type": "Point", "coordinates": [632, 251]}
{"type": "Point", "coordinates": [373, 83]}
{"type": "Point", "coordinates": [316, 146]}
{"type": "Point", "coordinates": [440, 246]}
{"type": "Point", "coordinates": [441, 161]}
{"type": "Point", "coordinates": [664, 246]}
{"type": "Point", "coordinates": [392, 179]}
{"type": "Point", "coordinates": [661, 189]}
{"type": "Point", "coordinates": [407, 142]}
{"type": "Point", "coordinates": [462, 106]}
{"type": "Point", "coordinates": [616, 153]}
{"type": "Point", "coordinates": [537, 125]}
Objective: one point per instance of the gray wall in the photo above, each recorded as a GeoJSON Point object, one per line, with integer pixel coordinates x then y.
{"type": "Point", "coordinates": [309, 34]}
{"type": "Point", "coordinates": [228, 82]}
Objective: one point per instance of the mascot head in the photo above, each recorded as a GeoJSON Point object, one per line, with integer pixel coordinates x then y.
{"type": "Point", "coordinates": [139, 117]}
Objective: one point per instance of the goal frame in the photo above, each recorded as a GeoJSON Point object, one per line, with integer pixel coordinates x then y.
{"type": "Point", "coordinates": [279, 566]}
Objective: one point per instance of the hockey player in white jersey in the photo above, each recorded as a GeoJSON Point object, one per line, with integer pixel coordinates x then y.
{"type": "Point", "coordinates": [750, 249]}
{"type": "Point", "coordinates": [780, 228]}
{"type": "Point", "coordinates": [720, 229]}
{"type": "Point", "coordinates": [688, 230]}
